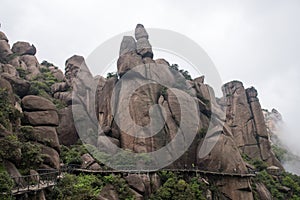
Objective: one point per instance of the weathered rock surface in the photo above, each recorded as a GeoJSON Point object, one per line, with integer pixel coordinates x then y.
{"type": "Point", "coordinates": [7, 68]}
{"type": "Point", "coordinates": [263, 192]}
{"type": "Point", "coordinates": [73, 64]}
{"type": "Point", "coordinates": [245, 118]}
{"type": "Point", "coordinates": [140, 32]}
{"type": "Point", "coordinates": [143, 45]}
{"type": "Point", "coordinates": [36, 103]}
{"type": "Point", "coordinates": [128, 61]}
{"type": "Point", "coordinates": [20, 86]}
{"type": "Point", "coordinates": [135, 181]}
{"type": "Point", "coordinates": [46, 135]}
{"type": "Point", "coordinates": [235, 188]}
{"type": "Point", "coordinates": [51, 156]}
{"type": "Point", "coordinates": [32, 65]}
{"type": "Point", "coordinates": [23, 48]}
{"type": "Point", "coordinates": [108, 192]}
{"type": "Point", "coordinates": [4, 50]}
{"type": "Point", "coordinates": [42, 118]}
{"type": "Point", "coordinates": [4, 84]}
{"type": "Point", "coordinates": [128, 45]}
{"type": "Point", "coordinates": [66, 130]}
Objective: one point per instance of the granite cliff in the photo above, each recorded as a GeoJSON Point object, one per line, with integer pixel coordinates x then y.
{"type": "Point", "coordinates": [40, 97]}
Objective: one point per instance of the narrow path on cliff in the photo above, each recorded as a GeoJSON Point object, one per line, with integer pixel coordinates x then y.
{"type": "Point", "coordinates": [48, 178]}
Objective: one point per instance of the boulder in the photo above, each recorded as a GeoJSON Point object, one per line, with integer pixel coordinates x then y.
{"type": "Point", "coordinates": [64, 96]}
{"type": "Point", "coordinates": [59, 87]}
{"type": "Point", "coordinates": [263, 192]}
{"type": "Point", "coordinates": [58, 74]}
{"type": "Point", "coordinates": [5, 51]}
{"type": "Point", "coordinates": [20, 86]}
{"type": "Point", "coordinates": [87, 160]}
{"type": "Point", "coordinates": [144, 48]}
{"type": "Point", "coordinates": [32, 65]}
{"type": "Point", "coordinates": [72, 66]}
{"type": "Point", "coordinates": [46, 135]}
{"type": "Point", "coordinates": [51, 156]}
{"type": "Point", "coordinates": [108, 192]}
{"type": "Point", "coordinates": [128, 61]}
{"type": "Point", "coordinates": [14, 172]}
{"type": "Point", "coordinates": [4, 84]}
{"type": "Point", "coordinates": [136, 182]}
{"type": "Point", "coordinates": [41, 118]}
{"type": "Point", "coordinates": [23, 48]}
{"type": "Point", "coordinates": [128, 45]}
{"type": "Point", "coordinates": [66, 130]}
{"type": "Point", "coordinates": [140, 32]}
{"type": "Point", "coordinates": [235, 187]}
{"type": "Point", "coordinates": [37, 103]}
{"type": "Point", "coordinates": [136, 195]}
{"type": "Point", "coordinates": [17, 63]}
{"type": "Point", "coordinates": [7, 68]}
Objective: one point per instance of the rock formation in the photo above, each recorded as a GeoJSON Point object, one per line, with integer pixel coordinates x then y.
{"type": "Point", "coordinates": [42, 115]}
{"type": "Point", "coordinates": [245, 118]}
{"type": "Point", "coordinates": [128, 115]}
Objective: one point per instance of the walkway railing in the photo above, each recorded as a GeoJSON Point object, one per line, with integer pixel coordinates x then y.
{"type": "Point", "coordinates": [36, 182]}
{"type": "Point", "coordinates": [49, 177]}
{"type": "Point", "coordinates": [77, 168]}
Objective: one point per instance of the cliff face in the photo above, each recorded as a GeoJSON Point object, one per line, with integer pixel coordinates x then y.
{"type": "Point", "coordinates": [128, 121]}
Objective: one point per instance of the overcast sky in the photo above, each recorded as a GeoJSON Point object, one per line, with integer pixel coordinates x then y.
{"type": "Point", "coordinates": [256, 42]}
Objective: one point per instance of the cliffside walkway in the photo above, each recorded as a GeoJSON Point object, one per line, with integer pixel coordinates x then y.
{"type": "Point", "coordinates": [36, 182]}
{"type": "Point", "coordinates": [74, 168]}
{"type": "Point", "coordinates": [48, 178]}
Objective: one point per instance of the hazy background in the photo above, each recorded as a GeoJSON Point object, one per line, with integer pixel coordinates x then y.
{"type": "Point", "coordinates": [256, 42]}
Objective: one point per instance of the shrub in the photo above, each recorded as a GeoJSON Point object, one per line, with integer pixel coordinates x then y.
{"type": "Point", "coordinates": [10, 148]}
{"type": "Point", "coordinates": [111, 75]}
{"type": "Point", "coordinates": [8, 114]}
{"type": "Point", "coordinates": [22, 72]}
{"type": "Point", "coordinates": [6, 185]}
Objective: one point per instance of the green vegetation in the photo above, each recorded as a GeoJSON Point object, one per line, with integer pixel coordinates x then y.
{"type": "Point", "coordinates": [111, 75]}
{"type": "Point", "coordinates": [257, 163]}
{"type": "Point", "coordinates": [86, 187]}
{"type": "Point", "coordinates": [176, 188]}
{"type": "Point", "coordinates": [71, 187]}
{"type": "Point", "coordinates": [275, 184]}
{"type": "Point", "coordinates": [46, 63]}
{"type": "Point", "coordinates": [72, 155]}
{"type": "Point", "coordinates": [185, 73]}
{"type": "Point", "coordinates": [26, 154]}
{"type": "Point", "coordinates": [280, 153]}
{"type": "Point", "coordinates": [22, 72]}
{"type": "Point", "coordinates": [10, 148]}
{"type": "Point", "coordinates": [6, 185]}
{"type": "Point", "coordinates": [8, 114]}
{"type": "Point", "coordinates": [41, 84]}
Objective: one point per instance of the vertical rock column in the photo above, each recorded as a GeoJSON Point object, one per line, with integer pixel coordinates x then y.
{"type": "Point", "coordinates": [261, 128]}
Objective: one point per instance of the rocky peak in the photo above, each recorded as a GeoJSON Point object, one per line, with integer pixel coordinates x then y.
{"type": "Point", "coordinates": [23, 48]}
{"type": "Point", "coordinates": [73, 65]}
{"type": "Point", "coordinates": [251, 94]}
